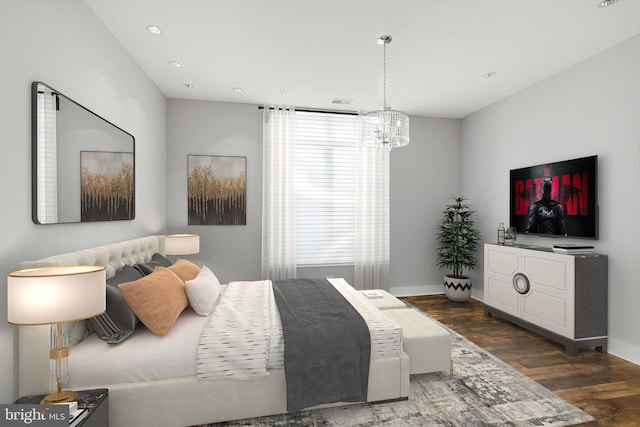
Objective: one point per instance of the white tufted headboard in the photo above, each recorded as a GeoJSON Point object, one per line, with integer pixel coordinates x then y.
{"type": "Point", "coordinates": [33, 341]}
{"type": "Point", "coordinates": [113, 256]}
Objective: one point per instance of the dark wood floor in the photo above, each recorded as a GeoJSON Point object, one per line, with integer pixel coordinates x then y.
{"type": "Point", "coordinates": [605, 386]}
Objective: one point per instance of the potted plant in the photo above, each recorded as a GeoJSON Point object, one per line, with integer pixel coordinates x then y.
{"type": "Point", "coordinates": [458, 241]}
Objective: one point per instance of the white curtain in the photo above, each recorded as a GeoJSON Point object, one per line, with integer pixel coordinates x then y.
{"type": "Point", "coordinates": [372, 217]}
{"type": "Point", "coordinates": [278, 194]}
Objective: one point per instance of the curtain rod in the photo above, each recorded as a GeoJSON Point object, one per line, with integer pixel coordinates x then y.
{"type": "Point", "coordinates": [308, 110]}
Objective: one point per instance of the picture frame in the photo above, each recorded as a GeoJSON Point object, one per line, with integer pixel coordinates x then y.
{"type": "Point", "coordinates": [107, 186]}
{"type": "Point", "coordinates": [217, 190]}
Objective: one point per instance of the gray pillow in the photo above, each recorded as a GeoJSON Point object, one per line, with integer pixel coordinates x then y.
{"type": "Point", "coordinates": [156, 260]}
{"type": "Point", "coordinates": [118, 321]}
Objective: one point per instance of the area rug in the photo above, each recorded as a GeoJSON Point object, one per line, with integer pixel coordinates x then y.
{"type": "Point", "coordinates": [484, 391]}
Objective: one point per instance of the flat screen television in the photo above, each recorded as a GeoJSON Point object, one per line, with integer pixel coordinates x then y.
{"type": "Point", "coordinates": [556, 199]}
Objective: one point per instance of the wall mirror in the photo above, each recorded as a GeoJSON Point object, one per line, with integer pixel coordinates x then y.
{"type": "Point", "coordinates": [82, 165]}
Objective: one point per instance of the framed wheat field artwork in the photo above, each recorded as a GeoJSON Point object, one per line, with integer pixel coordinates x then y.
{"type": "Point", "coordinates": [107, 188]}
{"type": "Point", "coordinates": [217, 190]}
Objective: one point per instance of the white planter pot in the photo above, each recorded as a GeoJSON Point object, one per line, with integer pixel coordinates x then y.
{"type": "Point", "coordinates": [457, 289]}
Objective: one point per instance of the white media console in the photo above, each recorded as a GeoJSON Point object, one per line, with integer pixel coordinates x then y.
{"type": "Point", "coordinates": [560, 296]}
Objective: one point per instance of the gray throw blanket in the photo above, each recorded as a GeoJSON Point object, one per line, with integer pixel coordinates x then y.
{"type": "Point", "coordinates": [327, 344]}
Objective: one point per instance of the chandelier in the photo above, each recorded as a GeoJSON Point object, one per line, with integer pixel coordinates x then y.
{"type": "Point", "coordinates": [385, 128]}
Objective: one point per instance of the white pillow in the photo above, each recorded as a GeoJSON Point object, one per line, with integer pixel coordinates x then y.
{"type": "Point", "coordinates": [203, 291]}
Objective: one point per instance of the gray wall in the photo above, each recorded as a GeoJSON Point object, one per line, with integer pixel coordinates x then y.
{"type": "Point", "coordinates": [423, 176]}
{"type": "Point", "coordinates": [63, 44]}
{"type": "Point", "coordinates": [222, 129]}
{"type": "Point", "coordinates": [591, 108]}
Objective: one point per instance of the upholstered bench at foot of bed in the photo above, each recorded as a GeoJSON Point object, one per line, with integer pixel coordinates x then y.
{"type": "Point", "coordinates": [386, 302]}
{"type": "Point", "coordinates": [427, 343]}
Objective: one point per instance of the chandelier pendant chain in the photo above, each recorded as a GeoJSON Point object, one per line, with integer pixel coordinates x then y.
{"type": "Point", "coordinates": [384, 74]}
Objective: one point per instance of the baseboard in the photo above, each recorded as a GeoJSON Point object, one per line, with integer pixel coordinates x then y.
{"type": "Point", "coordinates": [410, 291]}
{"type": "Point", "coordinates": [624, 350]}
{"type": "Point", "coordinates": [478, 294]}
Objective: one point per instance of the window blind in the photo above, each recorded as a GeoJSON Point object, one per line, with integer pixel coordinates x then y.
{"type": "Point", "coordinates": [325, 188]}
{"type": "Point", "coordinates": [47, 173]}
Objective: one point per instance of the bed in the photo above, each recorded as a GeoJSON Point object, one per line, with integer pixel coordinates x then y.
{"type": "Point", "coordinates": [155, 380]}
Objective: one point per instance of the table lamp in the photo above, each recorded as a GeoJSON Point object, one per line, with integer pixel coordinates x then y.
{"type": "Point", "coordinates": [181, 244]}
{"type": "Point", "coordinates": [54, 295]}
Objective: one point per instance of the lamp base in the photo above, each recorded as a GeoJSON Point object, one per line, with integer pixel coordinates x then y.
{"type": "Point", "coordinates": [60, 397]}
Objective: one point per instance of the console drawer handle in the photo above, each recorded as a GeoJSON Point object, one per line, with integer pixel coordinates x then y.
{"type": "Point", "coordinates": [521, 283]}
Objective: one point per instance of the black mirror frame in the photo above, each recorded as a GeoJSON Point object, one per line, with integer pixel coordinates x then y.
{"type": "Point", "coordinates": [34, 153]}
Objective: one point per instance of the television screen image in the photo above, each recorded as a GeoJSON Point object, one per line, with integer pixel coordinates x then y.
{"type": "Point", "coordinates": [556, 199]}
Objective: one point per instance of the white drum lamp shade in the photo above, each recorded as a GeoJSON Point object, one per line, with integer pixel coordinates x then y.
{"type": "Point", "coordinates": [38, 296]}
{"type": "Point", "coordinates": [181, 244]}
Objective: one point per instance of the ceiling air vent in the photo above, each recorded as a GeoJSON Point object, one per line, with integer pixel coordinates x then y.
{"type": "Point", "coordinates": [341, 101]}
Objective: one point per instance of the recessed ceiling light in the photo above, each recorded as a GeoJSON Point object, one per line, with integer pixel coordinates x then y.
{"type": "Point", "coordinates": [187, 85]}
{"type": "Point", "coordinates": [344, 101]}
{"type": "Point", "coordinates": [606, 3]}
{"type": "Point", "coordinates": [154, 29]}
{"type": "Point", "coordinates": [175, 64]}
{"type": "Point", "coordinates": [489, 74]}
{"type": "Point", "coordinates": [283, 93]}
{"type": "Point", "coordinates": [237, 89]}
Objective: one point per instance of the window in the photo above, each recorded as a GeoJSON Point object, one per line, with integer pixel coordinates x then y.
{"type": "Point", "coordinates": [325, 197]}
{"type": "Point", "coordinates": [325, 188]}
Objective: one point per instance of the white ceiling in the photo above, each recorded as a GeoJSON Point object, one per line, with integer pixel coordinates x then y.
{"type": "Point", "coordinates": [318, 50]}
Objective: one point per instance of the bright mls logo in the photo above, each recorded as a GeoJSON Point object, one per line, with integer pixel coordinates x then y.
{"type": "Point", "coordinates": [34, 415]}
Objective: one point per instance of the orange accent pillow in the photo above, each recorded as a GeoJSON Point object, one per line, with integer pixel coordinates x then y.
{"type": "Point", "coordinates": [157, 299]}
{"type": "Point", "coordinates": [185, 270]}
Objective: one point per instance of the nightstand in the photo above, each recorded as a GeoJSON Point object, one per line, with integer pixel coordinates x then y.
{"type": "Point", "coordinates": [96, 401]}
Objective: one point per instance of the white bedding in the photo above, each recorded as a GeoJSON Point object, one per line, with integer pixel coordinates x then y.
{"type": "Point", "coordinates": [235, 342]}
{"type": "Point", "coordinates": [386, 335]}
{"type": "Point", "coordinates": [142, 357]}
{"type": "Point", "coordinates": [146, 356]}
{"type": "Point", "coordinates": [244, 338]}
